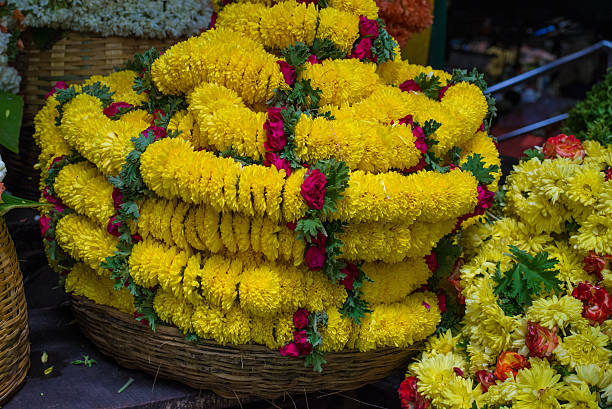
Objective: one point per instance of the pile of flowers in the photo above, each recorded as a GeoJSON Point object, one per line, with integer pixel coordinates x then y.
{"type": "Point", "coordinates": [245, 186]}
{"type": "Point", "coordinates": [11, 26]}
{"type": "Point", "coordinates": [536, 288]}
{"type": "Point", "coordinates": [406, 17]}
{"type": "Point", "coordinates": [140, 18]}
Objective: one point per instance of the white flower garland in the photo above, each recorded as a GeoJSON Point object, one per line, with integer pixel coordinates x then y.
{"type": "Point", "coordinates": [140, 18]}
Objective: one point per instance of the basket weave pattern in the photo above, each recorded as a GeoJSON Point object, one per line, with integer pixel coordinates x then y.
{"type": "Point", "coordinates": [14, 345]}
{"type": "Point", "coordinates": [229, 371]}
{"type": "Point", "coordinates": [74, 58]}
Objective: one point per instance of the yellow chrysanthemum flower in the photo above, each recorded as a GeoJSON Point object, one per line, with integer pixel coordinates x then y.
{"type": "Point", "coordinates": [538, 387]}
{"type": "Point", "coordinates": [583, 347]}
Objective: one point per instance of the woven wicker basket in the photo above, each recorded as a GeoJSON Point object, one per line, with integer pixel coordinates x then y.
{"type": "Point", "coordinates": [229, 371]}
{"type": "Point", "coordinates": [74, 58]}
{"type": "Point", "coordinates": [14, 345]}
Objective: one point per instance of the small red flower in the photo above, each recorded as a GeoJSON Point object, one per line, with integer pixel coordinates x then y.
{"type": "Point", "coordinates": [432, 261]}
{"type": "Point", "coordinates": [486, 379]}
{"type": "Point", "coordinates": [301, 318]}
{"type": "Point", "coordinates": [563, 146]}
{"type": "Point", "coordinates": [279, 163]}
{"type": "Point", "coordinates": [117, 198]}
{"type": "Point", "coordinates": [113, 226]}
{"type": "Point", "coordinates": [442, 301]}
{"type": "Point", "coordinates": [58, 85]}
{"type": "Point", "coordinates": [313, 189]}
{"type": "Point", "coordinates": [608, 174]}
{"type": "Point", "coordinates": [540, 340]}
{"type": "Point", "coordinates": [510, 363]}
{"type": "Point", "coordinates": [300, 338]}
{"type": "Point", "coordinates": [291, 349]}
{"type": "Point", "coordinates": [443, 90]}
{"type": "Point", "coordinates": [316, 253]}
{"type": "Point", "coordinates": [409, 395]}
{"type": "Point", "coordinates": [288, 72]}
{"type": "Point", "coordinates": [367, 27]}
{"type": "Point", "coordinates": [595, 264]}
{"type": "Point", "coordinates": [363, 50]}
{"type": "Point", "coordinates": [45, 225]}
{"type": "Point", "coordinates": [312, 59]}
{"type": "Point", "coordinates": [275, 131]}
{"type": "Point", "coordinates": [350, 274]}
{"type": "Point", "coordinates": [291, 225]}
{"type": "Point", "coordinates": [596, 302]}
{"type": "Point", "coordinates": [410, 85]}
{"type": "Point", "coordinates": [113, 109]}
{"type": "Point", "coordinates": [419, 135]}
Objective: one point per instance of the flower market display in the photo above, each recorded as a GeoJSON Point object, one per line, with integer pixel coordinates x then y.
{"type": "Point", "coordinates": [280, 179]}
{"type": "Point", "coordinates": [139, 18]}
{"type": "Point", "coordinates": [536, 287]}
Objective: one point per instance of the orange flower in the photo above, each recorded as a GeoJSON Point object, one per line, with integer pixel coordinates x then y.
{"type": "Point", "coordinates": [563, 146]}
{"type": "Point", "coordinates": [405, 17]}
{"type": "Point", "coordinates": [509, 362]}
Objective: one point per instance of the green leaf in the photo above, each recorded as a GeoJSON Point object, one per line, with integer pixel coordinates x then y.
{"type": "Point", "coordinates": [383, 47]}
{"type": "Point", "coordinates": [527, 277]}
{"type": "Point", "coordinates": [296, 54]}
{"type": "Point", "coordinates": [476, 166]}
{"type": "Point", "coordinates": [10, 202]}
{"type": "Point", "coordinates": [326, 49]}
{"type": "Point", "coordinates": [315, 359]}
{"type": "Point", "coordinates": [309, 228]}
{"type": "Point", "coordinates": [532, 153]}
{"type": "Point", "coordinates": [430, 84]}
{"type": "Point", "coordinates": [11, 112]}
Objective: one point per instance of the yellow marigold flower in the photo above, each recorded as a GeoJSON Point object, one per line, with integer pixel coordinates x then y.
{"type": "Point", "coordinates": [341, 27]}
{"type": "Point", "coordinates": [399, 324]}
{"type": "Point", "coordinates": [468, 103]}
{"type": "Point", "coordinates": [84, 240]}
{"type": "Point", "coordinates": [337, 333]}
{"type": "Point", "coordinates": [538, 387]}
{"type": "Point", "coordinates": [185, 124]}
{"type": "Point", "coordinates": [120, 83]}
{"type": "Point", "coordinates": [342, 81]}
{"type": "Point", "coordinates": [397, 71]}
{"type": "Point", "coordinates": [299, 24]}
{"type": "Point", "coordinates": [84, 189]}
{"type": "Point", "coordinates": [260, 291]}
{"type": "Point", "coordinates": [242, 18]}
{"type": "Point", "coordinates": [221, 57]}
{"type": "Point", "coordinates": [151, 260]}
{"type": "Point", "coordinates": [366, 8]}
{"type": "Point", "coordinates": [392, 282]}
{"type": "Point", "coordinates": [48, 136]}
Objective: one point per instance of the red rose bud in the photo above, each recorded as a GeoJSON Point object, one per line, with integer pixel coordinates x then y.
{"type": "Point", "coordinates": [276, 138]}
{"type": "Point", "coordinates": [432, 261]}
{"type": "Point", "coordinates": [113, 226]}
{"type": "Point", "coordinates": [291, 349]}
{"type": "Point", "coordinates": [367, 27]}
{"type": "Point", "coordinates": [486, 379]}
{"type": "Point", "coordinates": [608, 174]}
{"type": "Point", "coordinates": [136, 238]}
{"type": "Point", "coordinates": [275, 114]}
{"type": "Point", "coordinates": [540, 340]}
{"type": "Point", "coordinates": [442, 301]}
{"type": "Point", "coordinates": [364, 49]}
{"type": "Point", "coordinates": [113, 109]}
{"type": "Point", "coordinates": [157, 131]}
{"type": "Point", "coordinates": [300, 338]}
{"type": "Point", "coordinates": [301, 318]}
{"type": "Point", "coordinates": [510, 363]}
{"type": "Point", "coordinates": [312, 59]}
{"type": "Point", "coordinates": [291, 225]}
{"type": "Point", "coordinates": [350, 274]}
{"type": "Point", "coordinates": [316, 254]}
{"type": "Point", "coordinates": [313, 189]}
{"type": "Point", "coordinates": [49, 197]}
{"type": "Point", "coordinates": [58, 85]}
{"type": "Point", "coordinates": [59, 208]}
{"type": "Point", "coordinates": [406, 120]}
{"type": "Point", "coordinates": [45, 225]}
{"type": "Point", "coordinates": [410, 397]}
{"type": "Point", "coordinates": [443, 90]}
{"type": "Point", "coordinates": [596, 302]}
{"type": "Point", "coordinates": [419, 142]}
{"type": "Point", "coordinates": [595, 264]}
{"type": "Point", "coordinates": [279, 163]}
{"type": "Point", "coordinates": [288, 72]}
{"type": "Point", "coordinates": [410, 85]}
{"type": "Point", "coordinates": [563, 146]}
{"type": "Point", "coordinates": [485, 200]}
{"type": "Point", "coordinates": [117, 198]}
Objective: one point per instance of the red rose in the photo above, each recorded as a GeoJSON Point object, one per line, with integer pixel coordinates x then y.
{"type": "Point", "coordinates": [364, 49]}
{"type": "Point", "coordinates": [313, 189]}
{"type": "Point", "coordinates": [596, 302]}
{"type": "Point", "coordinates": [409, 395]}
{"type": "Point", "coordinates": [316, 254]}
{"type": "Point", "coordinates": [300, 338]}
{"type": "Point", "coordinates": [157, 132]}
{"type": "Point", "coordinates": [485, 200]}
{"type": "Point", "coordinates": [594, 264]}
{"type": "Point", "coordinates": [510, 363]}
{"type": "Point", "coordinates": [288, 72]}
{"type": "Point", "coordinates": [275, 132]}
{"type": "Point", "coordinates": [291, 225]}
{"type": "Point", "coordinates": [367, 27]}
{"type": "Point", "coordinates": [279, 163]}
{"type": "Point", "coordinates": [443, 90]}
{"type": "Point", "coordinates": [563, 146]}
{"type": "Point", "coordinates": [59, 208]}
{"type": "Point", "coordinates": [419, 142]}
{"type": "Point", "coordinates": [136, 238]}
{"type": "Point", "coordinates": [486, 379]}
{"type": "Point", "coordinates": [441, 302]}
{"type": "Point", "coordinates": [58, 85]}
{"type": "Point", "coordinates": [432, 261]}
{"type": "Point", "coordinates": [540, 340]}
{"type": "Point", "coordinates": [117, 198]}
{"type": "Point", "coordinates": [113, 226]}
{"type": "Point", "coordinates": [350, 274]}
{"type": "Point", "coordinates": [275, 114]}
{"type": "Point", "coordinates": [291, 349]}
{"type": "Point", "coordinates": [300, 318]}
{"type": "Point", "coordinates": [608, 174]}
{"type": "Point", "coordinates": [410, 85]}
{"type": "Point", "coordinates": [49, 197]}
{"type": "Point", "coordinates": [113, 109]}
{"type": "Point", "coordinates": [312, 59]}
{"type": "Point", "coordinates": [406, 120]}
{"type": "Point", "coordinates": [45, 225]}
